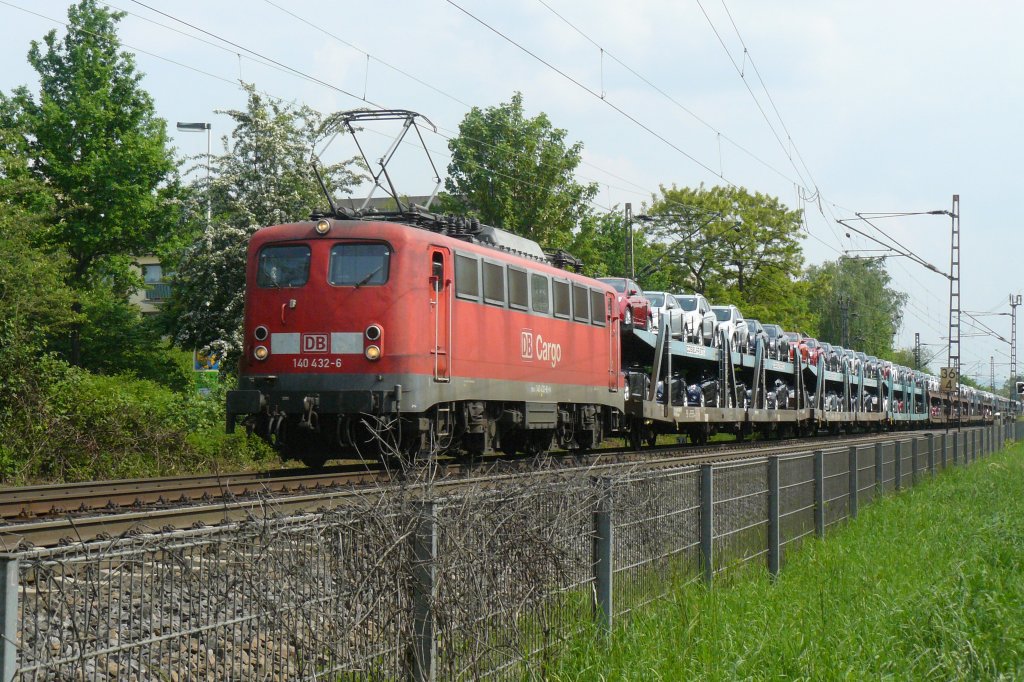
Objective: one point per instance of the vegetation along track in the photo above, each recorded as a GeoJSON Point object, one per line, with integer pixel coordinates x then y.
{"type": "Point", "coordinates": [52, 514]}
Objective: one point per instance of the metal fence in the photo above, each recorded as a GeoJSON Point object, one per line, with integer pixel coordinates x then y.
{"type": "Point", "coordinates": [410, 583]}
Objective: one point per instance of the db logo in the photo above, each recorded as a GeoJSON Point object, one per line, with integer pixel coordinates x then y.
{"type": "Point", "coordinates": [314, 343]}
{"type": "Point", "coordinates": [526, 344]}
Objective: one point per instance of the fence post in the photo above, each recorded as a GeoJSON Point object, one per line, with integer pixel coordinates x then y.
{"type": "Point", "coordinates": [854, 477]}
{"type": "Point", "coordinates": [707, 527]}
{"type": "Point", "coordinates": [897, 447]}
{"type": "Point", "coordinates": [956, 447]}
{"type": "Point", "coordinates": [819, 493]}
{"type": "Point", "coordinates": [424, 586]}
{"type": "Point", "coordinates": [9, 618]}
{"type": "Point", "coordinates": [603, 566]}
{"type": "Point", "coordinates": [913, 461]}
{"type": "Point", "coordinates": [945, 449]}
{"type": "Point", "coordinates": [879, 472]}
{"type": "Point", "coordinates": [931, 454]}
{"type": "Point", "coordinates": [773, 517]}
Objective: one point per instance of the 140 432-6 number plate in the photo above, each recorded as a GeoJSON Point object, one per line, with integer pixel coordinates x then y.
{"type": "Point", "coordinates": [316, 363]}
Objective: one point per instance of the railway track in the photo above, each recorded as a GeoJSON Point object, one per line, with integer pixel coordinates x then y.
{"type": "Point", "coordinates": [56, 514]}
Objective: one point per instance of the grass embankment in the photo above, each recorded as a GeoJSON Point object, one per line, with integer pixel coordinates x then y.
{"type": "Point", "coordinates": [926, 584]}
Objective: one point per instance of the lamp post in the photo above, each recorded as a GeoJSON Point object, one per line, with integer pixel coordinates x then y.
{"type": "Point", "coordinates": [199, 127]}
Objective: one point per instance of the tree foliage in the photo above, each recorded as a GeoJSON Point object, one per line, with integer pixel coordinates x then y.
{"type": "Point", "coordinates": [733, 246]}
{"type": "Point", "coordinates": [862, 286]}
{"type": "Point", "coordinates": [93, 140]}
{"type": "Point", "coordinates": [262, 178]}
{"type": "Point", "coordinates": [517, 173]}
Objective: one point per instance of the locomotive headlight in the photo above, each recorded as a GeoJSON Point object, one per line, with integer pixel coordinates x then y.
{"type": "Point", "coordinates": [323, 226]}
{"type": "Point", "coordinates": [260, 333]}
{"type": "Point", "coordinates": [372, 352]}
{"type": "Point", "coordinates": [373, 332]}
{"type": "Point", "coordinates": [261, 352]}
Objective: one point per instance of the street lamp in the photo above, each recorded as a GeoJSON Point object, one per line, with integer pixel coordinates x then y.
{"type": "Point", "coordinates": [198, 128]}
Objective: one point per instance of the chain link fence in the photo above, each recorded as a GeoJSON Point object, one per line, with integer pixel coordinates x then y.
{"type": "Point", "coordinates": [415, 583]}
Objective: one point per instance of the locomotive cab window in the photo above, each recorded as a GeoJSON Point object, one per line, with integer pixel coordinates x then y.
{"type": "Point", "coordinates": [359, 264]}
{"type": "Point", "coordinates": [598, 309]}
{"type": "Point", "coordinates": [283, 266]}
{"type": "Point", "coordinates": [467, 277]}
{"type": "Point", "coordinates": [539, 294]}
{"type": "Point", "coordinates": [561, 296]}
{"type": "Point", "coordinates": [518, 293]}
{"type": "Point", "coordinates": [580, 303]}
{"type": "Point", "coordinates": [494, 283]}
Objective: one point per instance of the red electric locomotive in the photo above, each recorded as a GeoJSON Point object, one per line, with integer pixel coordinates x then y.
{"type": "Point", "coordinates": [411, 333]}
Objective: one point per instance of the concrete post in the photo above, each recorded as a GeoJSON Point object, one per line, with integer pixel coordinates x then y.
{"type": "Point", "coordinates": [854, 481]}
{"type": "Point", "coordinates": [424, 586]}
{"type": "Point", "coordinates": [774, 545]}
{"type": "Point", "coordinates": [604, 569]}
{"type": "Point", "coordinates": [898, 461]}
{"type": "Point", "coordinates": [879, 471]}
{"type": "Point", "coordinates": [707, 526]}
{"type": "Point", "coordinates": [10, 577]}
{"type": "Point", "coordinates": [819, 493]}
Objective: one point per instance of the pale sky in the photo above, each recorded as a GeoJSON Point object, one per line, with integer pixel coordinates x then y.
{"type": "Point", "coordinates": [870, 106]}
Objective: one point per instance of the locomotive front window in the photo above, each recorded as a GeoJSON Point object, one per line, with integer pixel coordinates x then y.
{"type": "Point", "coordinates": [359, 264]}
{"type": "Point", "coordinates": [283, 266]}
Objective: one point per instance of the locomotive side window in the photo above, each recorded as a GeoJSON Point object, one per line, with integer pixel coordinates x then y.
{"type": "Point", "coordinates": [494, 283]}
{"type": "Point", "coordinates": [467, 277]}
{"type": "Point", "coordinates": [283, 266]}
{"type": "Point", "coordinates": [518, 291]}
{"type": "Point", "coordinates": [359, 264]}
{"type": "Point", "coordinates": [561, 296]}
{"type": "Point", "coordinates": [539, 294]}
{"type": "Point", "coordinates": [580, 303]}
{"type": "Point", "coordinates": [597, 308]}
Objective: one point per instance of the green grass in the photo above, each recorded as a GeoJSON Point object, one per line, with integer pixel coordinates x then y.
{"type": "Point", "coordinates": [925, 585]}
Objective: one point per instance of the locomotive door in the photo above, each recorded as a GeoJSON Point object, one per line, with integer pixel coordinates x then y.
{"type": "Point", "coordinates": [441, 311]}
{"type": "Point", "coordinates": [612, 326]}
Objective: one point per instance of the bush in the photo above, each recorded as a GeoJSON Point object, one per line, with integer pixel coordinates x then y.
{"type": "Point", "coordinates": [72, 425]}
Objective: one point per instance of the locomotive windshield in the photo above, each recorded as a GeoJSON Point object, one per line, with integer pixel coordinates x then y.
{"type": "Point", "coordinates": [283, 266]}
{"type": "Point", "coordinates": [359, 264]}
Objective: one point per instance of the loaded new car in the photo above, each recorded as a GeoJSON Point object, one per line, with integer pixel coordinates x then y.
{"type": "Point", "coordinates": [699, 322]}
{"type": "Point", "coordinates": [634, 308]}
{"type": "Point", "coordinates": [664, 305]}
{"type": "Point", "coordinates": [731, 324]}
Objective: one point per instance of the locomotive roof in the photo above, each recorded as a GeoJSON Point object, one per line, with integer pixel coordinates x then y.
{"type": "Point", "coordinates": [469, 230]}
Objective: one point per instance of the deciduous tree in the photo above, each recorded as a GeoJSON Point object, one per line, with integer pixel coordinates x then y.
{"type": "Point", "coordinates": [263, 178]}
{"type": "Point", "coordinates": [862, 287]}
{"type": "Point", "coordinates": [517, 173]}
{"type": "Point", "coordinates": [92, 137]}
